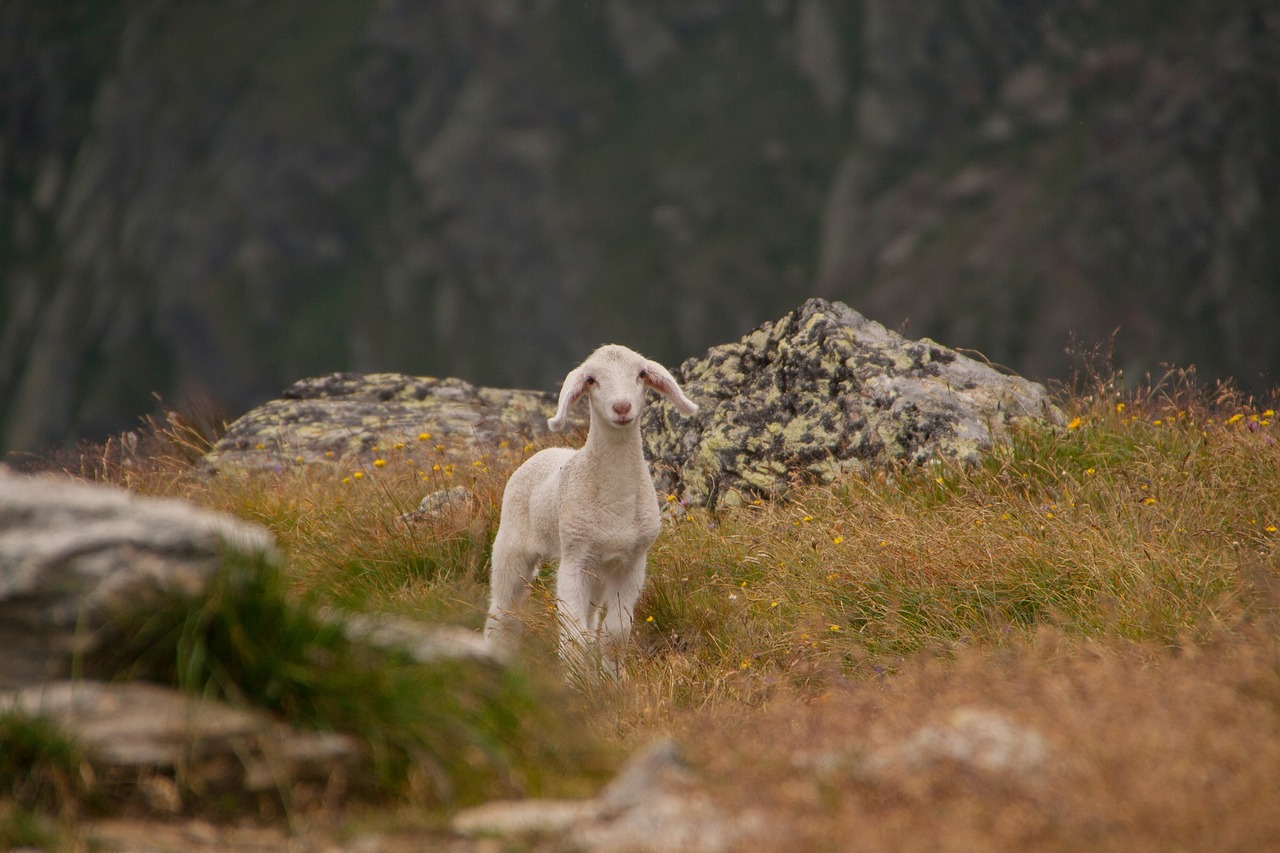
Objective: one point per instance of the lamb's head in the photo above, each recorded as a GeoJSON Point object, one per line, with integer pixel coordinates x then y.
{"type": "Point", "coordinates": [614, 379]}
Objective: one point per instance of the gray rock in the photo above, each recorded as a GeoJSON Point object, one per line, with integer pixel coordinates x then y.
{"type": "Point", "coordinates": [984, 740]}
{"type": "Point", "coordinates": [131, 731]}
{"type": "Point", "coordinates": [73, 554]}
{"type": "Point", "coordinates": [653, 804]}
{"type": "Point", "coordinates": [424, 643]}
{"type": "Point", "coordinates": [352, 418]}
{"type": "Point", "coordinates": [823, 392]}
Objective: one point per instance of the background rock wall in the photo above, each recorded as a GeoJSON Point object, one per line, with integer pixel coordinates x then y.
{"type": "Point", "coordinates": [223, 197]}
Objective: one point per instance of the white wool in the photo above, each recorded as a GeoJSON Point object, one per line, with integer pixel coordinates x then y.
{"type": "Point", "coordinates": [594, 510]}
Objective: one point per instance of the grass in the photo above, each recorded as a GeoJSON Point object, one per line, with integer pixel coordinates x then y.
{"type": "Point", "coordinates": [1079, 577]}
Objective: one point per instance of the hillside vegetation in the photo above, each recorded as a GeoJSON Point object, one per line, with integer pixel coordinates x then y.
{"type": "Point", "coordinates": [1114, 585]}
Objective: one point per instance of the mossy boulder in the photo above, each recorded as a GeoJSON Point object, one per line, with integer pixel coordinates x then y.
{"type": "Point", "coordinates": [822, 392]}
{"type": "Point", "coordinates": [354, 417]}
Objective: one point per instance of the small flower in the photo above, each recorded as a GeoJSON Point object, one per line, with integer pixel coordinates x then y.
{"type": "Point", "coordinates": [938, 480]}
{"type": "Point", "coordinates": [379, 463]}
{"type": "Point", "coordinates": [1157, 422]}
{"type": "Point", "coordinates": [1270, 528]}
{"type": "Point", "coordinates": [259, 447]}
{"type": "Point", "coordinates": [835, 629]}
{"type": "Point", "coordinates": [1075, 423]}
{"type": "Point", "coordinates": [1235, 419]}
{"type": "Point", "coordinates": [357, 475]}
{"type": "Point", "coordinates": [671, 498]}
{"type": "Point", "coordinates": [1119, 408]}
{"type": "Point", "coordinates": [773, 604]}
{"type": "Point", "coordinates": [346, 481]}
{"type": "Point", "coordinates": [328, 454]}
{"type": "Point", "coordinates": [837, 540]}
{"type": "Point", "coordinates": [1091, 471]}
{"type": "Point", "coordinates": [298, 459]}
{"type": "Point", "coordinates": [649, 619]}
{"type": "Point", "coordinates": [424, 436]}
{"type": "Point", "coordinates": [807, 518]}
{"type": "Point", "coordinates": [1148, 501]}
{"type": "Point", "coordinates": [399, 445]}
{"type": "Point", "coordinates": [884, 544]}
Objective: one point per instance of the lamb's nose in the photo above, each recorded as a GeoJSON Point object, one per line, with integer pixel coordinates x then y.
{"type": "Point", "coordinates": [622, 409]}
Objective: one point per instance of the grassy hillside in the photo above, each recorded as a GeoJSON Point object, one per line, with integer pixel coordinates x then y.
{"type": "Point", "coordinates": [1114, 585]}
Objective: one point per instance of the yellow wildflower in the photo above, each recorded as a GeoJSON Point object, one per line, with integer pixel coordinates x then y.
{"type": "Point", "coordinates": [378, 463]}
{"type": "Point", "coordinates": [424, 436]}
{"type": "Point", "coordinates": [1075, 423]}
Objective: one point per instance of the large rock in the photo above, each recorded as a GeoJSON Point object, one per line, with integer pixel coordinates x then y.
{"type": "Point", "coordinates": [823, 392]}
{"type": "Point", "coordinates": [74, 554]}
{"type": "Point", "coordinates": [347, 417]}
{"type": "Point", "coordinates": [145, 734]}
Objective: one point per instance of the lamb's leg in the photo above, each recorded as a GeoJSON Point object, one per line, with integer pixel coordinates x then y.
{"type": "Point", "coordinates": [619, 616]}
{"type": "Point", "coordinates": [578, 591]}
{"type": "Point", "coordinates": [510, 582]}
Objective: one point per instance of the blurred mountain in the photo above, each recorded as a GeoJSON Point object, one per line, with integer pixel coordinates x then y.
{"type": "Point", "coordinates": [219, 197]}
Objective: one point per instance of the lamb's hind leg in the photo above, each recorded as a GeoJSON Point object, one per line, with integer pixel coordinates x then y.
{"type": "Point", "coordinates": [510, 582]}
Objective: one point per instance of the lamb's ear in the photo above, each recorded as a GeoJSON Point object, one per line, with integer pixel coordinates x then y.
{"type": "Point", "coordinates": [575, 385]}
{"type": "Point", "coordinates": [657, 378]}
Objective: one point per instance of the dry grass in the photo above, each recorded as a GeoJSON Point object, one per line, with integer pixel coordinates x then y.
{"type": "Point", "coordinates": [1112, 585]}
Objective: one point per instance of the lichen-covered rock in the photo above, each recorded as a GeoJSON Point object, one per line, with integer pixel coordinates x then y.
{"type": "Point", "coordinates": [824, 391]}
{"type": "Point", "coordinates": [352, 416]}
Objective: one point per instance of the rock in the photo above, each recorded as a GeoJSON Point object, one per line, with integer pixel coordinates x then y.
{"type": "Point", "coordinates": [823, 392]}
{"type": "Point", "coordinates": [436, 503]}
{"type": "Point", "coordinates": [984, 740]}
{"type": "Point", "coordinates": [424, 643]}
{"type": "Point", "coordinates": [73, 554]}
{"type": "Point", "coordinates": [352, 418]}
{"type": "Point", "coordinates": [653, 804]}
{"type": "Point", "coordinates": [131, 731]}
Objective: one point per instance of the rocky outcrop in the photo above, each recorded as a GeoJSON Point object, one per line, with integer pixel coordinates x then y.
{"type": "Point", "coordinates": [352, 418]}
{"type": "Point", "coordinates": [823, 392]}
{"type": "Point", "coordinates": [72, 555]}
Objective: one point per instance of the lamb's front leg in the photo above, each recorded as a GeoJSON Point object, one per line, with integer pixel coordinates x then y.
{"type": "Point", "coordinates": [619, 614]}
{"type": "Point", "coordinates": [578, 591]}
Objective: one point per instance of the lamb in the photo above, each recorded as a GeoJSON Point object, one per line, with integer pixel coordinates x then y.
{"type": "Point", "coordinates": [594, 510]}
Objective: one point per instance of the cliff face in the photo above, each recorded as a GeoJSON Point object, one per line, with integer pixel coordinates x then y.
{"type": "Point", "coordinates": [223, 197]}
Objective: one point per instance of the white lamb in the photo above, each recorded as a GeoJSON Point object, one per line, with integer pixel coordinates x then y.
{"type": "Point", "coordinates": [594, 510]}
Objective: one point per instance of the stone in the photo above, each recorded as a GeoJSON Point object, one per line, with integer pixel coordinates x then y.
{"type": "Point", "coordinates": [982, 739]}
{"type": "Point", "coordinates": [424, 643]}
{"type": "Point", "coordinates": [824, 392]}
{"type": "Point", "coordinates": [653, 804]}
{"type": "Point", "coordinates": [74, 554]}
{"type": "Point", "coordinates": [132, 731]}
{"type": "Point", "coordinates": [352, 418]}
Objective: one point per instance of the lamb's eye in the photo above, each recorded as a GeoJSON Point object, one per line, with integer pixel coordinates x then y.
{"type": "Point", "coordinates": [644, 374]}
{"type": "Point", "coordinates": [591, 380]}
